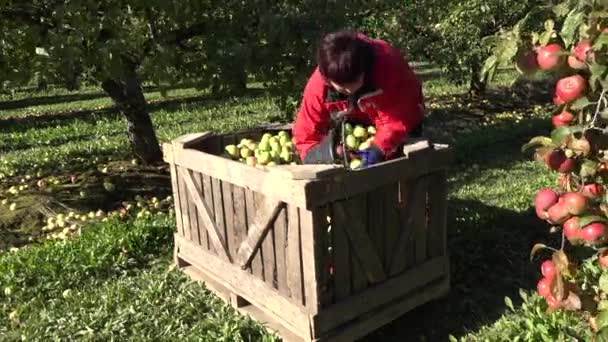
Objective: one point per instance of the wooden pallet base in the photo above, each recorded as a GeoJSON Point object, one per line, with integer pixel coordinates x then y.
{"type": "Point", "coordinates": [346, 333]}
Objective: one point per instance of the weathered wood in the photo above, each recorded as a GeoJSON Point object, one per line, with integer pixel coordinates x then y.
{"type": "Point", "coordinates": [390, 230]}
{"type": "Point", "coordinates": [341, 258]}
{"type": "Point", "coordinates": [193, 214]}
{"type": "Point", "coordinates": [294, 255]}
{"type": "Point", "coordinates": [438, 214]}
{"type": "Point", "coordinates": [376, 208]}
{"type": "Point", "coordinates": [420, 229]}
{"type": "Point", "coordinates": [376, 296]}
{"type": "Point", "coordinates": [388, 313]}
{"type": "Point", "coordinates": [191, 140]}
{"type": "Point", "coordinates": [315, 266]}
{"type": "Point", "coordinates": [218, 207]}
{"type": "Point", "coordinates": [280, 246]}
{"type": "Point", "coordinates": [240, 220]}
{"type": "Point", "coordinates": [257, 265]}
{"type": "Point", "coordinates": [264, 218]}
{"type": "Point", "coordinates": [361, 243]}
{"type": "Point", "coordinates": [202, 230]}
{"type": "Point", "coordinates": [212, 230]}
{"type": "Point", "coordinates": [403, 250]}
{"type": "Point", "coordinates": [311, 171]}
{"type": "Point", "coordinates": [184, 199]}
{"type": "Point", "coordinates": [349, 184]}
{"type": "Point", "coordinates": [359, 210]}
{"type": "Point", "coordinates": [229, 217]}
{"type": "Point", "coordinates": [208, 200]}
{"type": "Point", "coordinates": [250, 288]}
{"type": "Point", "coordinates": [415, 146]}
{"type": "Point", "coordinates": [168, 154]}
{"type": "Point", "coordinates": [240, 174]}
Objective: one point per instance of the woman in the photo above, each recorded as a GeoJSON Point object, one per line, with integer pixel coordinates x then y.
{"type": "Point", "coordinates": [371, 81]}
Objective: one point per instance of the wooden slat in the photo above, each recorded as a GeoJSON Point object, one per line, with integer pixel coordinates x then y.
{"type": "Point", "coordinates": [265, 216]}
{"type": "Point", "coordinates": [341, 258]}
{"type": "Point", "coordinates": [403, 249]}
{"type": "Point", "coordinates": [208, 193]}
{"type": "Point", "coordinates": [438, 212]}
{"type": "Point", "coordinates": [229, 217]}
{"type": "Point", "coordinates": [294, 256]}
{"type": "Point", "coordinates": [359, 239]}
{"type": "Point", "coordinates": [315, 263]}
{"type": "Point", "coordinates": [218, 208]}
{"type": "Point", "coordinates": [184, 199]}
{"type": "Point", "coordinates": [168, 156]}
{"type": "Point", "coordinates": [257, 266]}
{"type": "Point", "coordinates": [280, 243]}
{"type": "Point", "coordinates": [267, 243]}
{"type": "Point", "coordinates": [420, 230]}
{"type": "Point", "coordinates": [191, 140]}
{"type": "Point", "coordinates": [388, 313]}
{"type": "Point", "coordinates": [310, 171]}
{"type": "Point", "coordinates": [386, 292]}
{"type": "Point", "coordinates": [391, 221]}
{"type": "Point", "coordinates": [202, 230]}
{"type": "Point", "coordinates": [193, 215]}
{"type": "Point", "coordinates": [212, 230]}
{"type": "Point", "coordinates": [349, 184]}
{"type": "Point", "coordinates": [252, 289]}
{"type": "Point", "coordinates": [240, 219]}
{"type": "Point", "coordinates": [376, 227]}
{"type": "Point", "coordinates": [240, 174]}
{"type": "Point", "coordinates": [359, 210]}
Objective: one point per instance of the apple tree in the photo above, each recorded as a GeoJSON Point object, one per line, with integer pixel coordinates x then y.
{"type": "Point", "coordinates": [570, 40]}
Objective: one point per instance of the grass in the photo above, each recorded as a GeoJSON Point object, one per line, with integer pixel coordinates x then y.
{"type": "Point", "coordinates": [112, 281]}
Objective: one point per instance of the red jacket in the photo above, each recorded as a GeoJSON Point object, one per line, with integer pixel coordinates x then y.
{"type": "Point", "coordinates": [395, 107]}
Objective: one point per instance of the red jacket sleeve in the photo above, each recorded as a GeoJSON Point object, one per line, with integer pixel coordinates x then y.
{"type": "Point", "coordinates": [402, 109]}
{"type": "Point", "coordinates": [312, 121]}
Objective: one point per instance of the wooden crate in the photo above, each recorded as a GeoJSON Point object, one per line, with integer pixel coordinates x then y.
{"type": "Point", "coordinates": [260, 238]}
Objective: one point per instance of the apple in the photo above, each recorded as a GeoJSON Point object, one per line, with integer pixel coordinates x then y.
{"type": "Point", "coordinates": [544, 200]}
{"type": "Point", "coordinates": [563, 119]}
{"type": "Point", "coordinates": [271, 163]}
{"type": "Point", "coordinates": [286, 156]}
{"type": "Point", "coordinates": [360, 133]}
{"type": "Point", "coordinates": [548, 270]}
{"type": "Point", "coordinates": [352, 142]}
{"type": "Point", "coordinates": [355, 163]}
{"type": "Point", "coordinates": [251, 161]}
{"type": "Point", "coordinates": [526, 63]}
{"type": "Point", "coordinates": [570, 88]}
{"type": "Point", "coordinates": [575, 63]}
{"type": "Point", "coordinates": [572, 231]}
{"type": "Point", "coordinates": [575, 203]}
{"type": "Point", "coordinates": [602, 258]}
{"type": "Point", "coordinates": [283, 140]}
{"type": "Point", "coordinates": [264, 145]}
{"type": "Point", "coordinates": [371, 130]}
{"type": "Point", "coordinates": [13, 207]}
{"type": "Point", "coordinates": [593, 231]}
{"type": "Point", "coordinates": [364, 146]}
{"type": "Point", "coordinates": [266, 137]}
{"type": "Point", "coordinates": [232, 151]}
{"type": "Point", "coordinates": [552, 302]}
{"type": "Point", "coordinates": [544, 287]}
{"type": "Point", "coordinates": [558, 213]}
{"type": "Point", "coordinates": [558, 161]}
{"type": "Point", "coordinates": [245, 152]}
{"type": "Point", "coordinates": [547, 57]}
{"type": "Point", "coordinates": [582, 51]}
{"type": "Point", "coordinates": [264, 158]}
{"type": "Point", "coordinates": [348, 128]}
{"type": "Point", "coordinates": [592, 190]}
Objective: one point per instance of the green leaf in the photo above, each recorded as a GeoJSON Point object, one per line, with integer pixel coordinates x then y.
{"type": "Point", "coordinates": [604, 114]}
{"type": "Point", "coordinates": [489, 67]}
{"type": "Point", "coordinates": [602, 305]}
{"type": "Point", "coordinates": [453, 339]}
{"type": "Point", "coordinates": [587, 220]}
{"type": "Point", "coordinates": [581, 103]}
{"type": "Point", "coordinates": [559, 135]}
{"type": "Point", "coordinates": [561, 9]}
{"type": "Point", "coordinates": [602, 335]}
{"type": "Point", "coordinates": [600, 42]}
{"type": "Point", "coordinates": [545, 37]}
{"type": "Point", "coordinates": [570, 26]}
{"type": "Point", "coordinates": [588, 169]}
{"type": "Point", "coordinates": [538, 141]}
{"type": "Point", "coordinates": [602, 320]}
{"type": "Point", "coordinates": [603, 283]}
{"type": "Point", "coordinates": [509, 303]}
{"type": "Point", "coordinates": [549, 25]}
{"type": "Point", "coordinates": [523, 295]}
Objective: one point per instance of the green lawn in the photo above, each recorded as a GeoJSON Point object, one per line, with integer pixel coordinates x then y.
{"type": "Point", "coordinates": [113, 281]}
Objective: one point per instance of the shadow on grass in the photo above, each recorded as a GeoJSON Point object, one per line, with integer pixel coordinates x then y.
{"type": "Point", "coordinates": [489, 260]}
{"type": "Point", "coordinates": [20, 124]}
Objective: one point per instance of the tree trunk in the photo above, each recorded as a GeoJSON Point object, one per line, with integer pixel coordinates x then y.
{"type": "Point", "coordinates": [128, 96]}
{"type": "Point", "coordinates": [477, 86]}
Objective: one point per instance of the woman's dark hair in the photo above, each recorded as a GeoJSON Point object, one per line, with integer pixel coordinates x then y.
{"type": "Point", "coordinates": [343, 55]}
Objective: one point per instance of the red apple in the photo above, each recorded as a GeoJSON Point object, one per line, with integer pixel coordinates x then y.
{"type": "Point", "coordinates": [547, 57]}
{"type": "Point", "coordinates": [574, 63]}
{"type": "Point", "coordinates": [544, 200]}
{"type": "Point", "coordinates": [558, 100]}
{"type": "Point", "coordinates": [548, 269]}
{"type": "Point", "coordinates": [582, 51]}
{"type": "Point", "coordinates": [558, 161]}
{"type": "Point", "coordinates": [525, 62]}
{"type": "Point", "coordinates": [592, 190]}
{"type": "Point", "coordinates": [602, 258]}
{"type": "Point", "coordinates": [544, 287]}
{"type": "Point", "coordinates": [552, 302]}
{"type": "Point", "coordinates": [558, 213]}
{"type": "Point", "coordinates": [562, 119]}
{"type": "Point", "coordinates": [570, 88]}
{"type": "Point", "coordinates": [571, 229]}
{"type": "Point", "coordinates": [575, 203]}
{"type": "Point", "coordinates": [593, 231]}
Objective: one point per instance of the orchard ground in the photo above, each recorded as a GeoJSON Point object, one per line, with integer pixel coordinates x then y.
{"type": "Point", "coordinates": [101, 274]}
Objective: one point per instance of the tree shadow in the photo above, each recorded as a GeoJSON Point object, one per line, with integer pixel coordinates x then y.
{"type": "Point", "coordinates": [488, 249]}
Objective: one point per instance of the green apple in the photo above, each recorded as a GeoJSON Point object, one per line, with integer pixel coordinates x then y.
{"type": "Point", "coordinates": [244, 142]}
{"type": "Point", "coordinates": [232, 151]}
{"type": "Point", "coordinates": [264, 158]}
{"type": "Point", "coordinates": [286, 156]}
{"type": "Point", "coordinates": [348, 128]}
{"type": "Point", "coordinates": [271, 163]}
{"type": "Point", "coordinates": [245, 152]}
{"type": "Point", "coordinates": [264, 145]}
{"type": "Point", "coordinates": [352, 142]}
{"type": "Point", "coordinates": [275, 145]}
{"type": "Point", "coordinates": [371, 130]}
{"type": "Point", "coordinates": [266, 136]}
{"type": "Point", "coordinates": [355, 163]}
{"type": "Point", "coordinates": [364, 146]}
{"type": "Point", "coordinates": [275, 155]}
{"type": "Point", "coordinates": [289, 145]}
{"type": "Point", "coordinates": [283, 134]}
{"type": "Point", "coordinates": [283, 140]}
{"type": "Point", "coordinates": [360, 132]}
{"type": "Point", "coordinates": [252, 145]}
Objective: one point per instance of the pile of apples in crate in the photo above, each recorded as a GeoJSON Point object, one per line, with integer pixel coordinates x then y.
{"type": "Point", "coordinates": [279, 149]}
